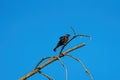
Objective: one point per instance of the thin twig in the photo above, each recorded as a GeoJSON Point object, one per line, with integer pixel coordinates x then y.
{"type": "Point", "coordinates": [67, 43]}
{"type": "Point", "coordinates": [86, 70]}
{"type": "Point", "coordinates": [64, 68]}
{"type": "Point", "coordinates": [43, 60]}
{"type": "Point", "coordinates": [73, 30]}
{"type": "Point", "coordinates": [72, 39]}
{"type": "Point", "coordinates": [85, 35]}
{"type": "Point", "coordinates": [49, 62]}
{"type": "Point", "coordinates": [49, 78]}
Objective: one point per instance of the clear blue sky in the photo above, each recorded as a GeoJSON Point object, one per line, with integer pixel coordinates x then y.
{"type": "Point", "coordinates": [30, 29]}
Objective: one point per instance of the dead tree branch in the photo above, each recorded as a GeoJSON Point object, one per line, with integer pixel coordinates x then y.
{"type": "Point", "coordinates": [75, 36]}
{"type": "Point", "coordinates": [48, 57]}
{"type": "Point", "coordinates": [66, 72]}
{"type": "Point", "coordinates": [50, 61]}
{"type": "Point", "coordinates": [55, 58]}
{"type": "Point", "coordinates": [73, 30]}
{"type": "Point", "coordinates": [49, 78]}
{"type": "Point", "coordinates": [84, 67]}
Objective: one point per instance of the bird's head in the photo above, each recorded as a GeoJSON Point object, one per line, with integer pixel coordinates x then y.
{"type": "Point", "coordinates": [67, 35]}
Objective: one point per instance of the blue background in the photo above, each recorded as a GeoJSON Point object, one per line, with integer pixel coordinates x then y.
{"type": "Point", "coordinates": [30, 29]}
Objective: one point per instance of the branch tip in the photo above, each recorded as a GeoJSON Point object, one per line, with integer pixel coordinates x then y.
{"type": "Point", "coordinates": [73, 30]}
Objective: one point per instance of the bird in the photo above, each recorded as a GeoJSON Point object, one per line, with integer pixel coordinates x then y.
{"type": "Point", "coordinates": [62, 41]}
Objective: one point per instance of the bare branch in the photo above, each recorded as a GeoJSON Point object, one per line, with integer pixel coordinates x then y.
{"type": "Point", "coordinates": [85, 35]}
{"type": "Point", "coordinates": [75, 36]}
{"type": "Point", "coordinates": [73, 30]}
{"type": "Point", "coordinates": [49, 78]}
{"type": "Point", "coordinates": [64, 68]}
{"type": "Point", "coordinates": [49, 62]}
{"type": "Point", "coordinates": [43, 60]}
{"type": "Point", "coordinates": [54, 58]}
{"type": "Point", "coordinates": [60, 62]}
{"type": "Point", "coordinates": [86, 70]}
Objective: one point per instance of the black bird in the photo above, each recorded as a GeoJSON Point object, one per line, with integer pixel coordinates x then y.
{"type": "Point", "coordinates": [63, 40]}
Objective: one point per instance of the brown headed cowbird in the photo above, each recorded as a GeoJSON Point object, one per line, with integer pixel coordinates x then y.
{"type": "Point", "coordinates": [63, 40]}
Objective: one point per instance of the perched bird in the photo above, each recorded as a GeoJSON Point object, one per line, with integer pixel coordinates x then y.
{"type": "Point", "coordinates": [63, 40]}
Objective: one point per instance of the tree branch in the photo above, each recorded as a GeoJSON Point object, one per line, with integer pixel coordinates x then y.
{"type": "Point", "coordinates": [50, 61]}
{"type": "Point", "coordinates": [73, 30]}
{"type": "Point", "coordinates": [49, 78]}
{"type": "Point", "coordinates": [43, 60]}
{"type": "Point", "coordinates": [66, 72]}
{"type": "Point", "coordinates": [78, 35]}
{"type": "Point", "coordinates": [54, 58]}
{"type": "Point", "coordinates": [84, 67]}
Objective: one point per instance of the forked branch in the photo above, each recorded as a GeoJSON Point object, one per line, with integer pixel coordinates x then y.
{"type": "Point", "coordinates": [54, 58]}
{"type": "Point", "coordinates": [50, 61]}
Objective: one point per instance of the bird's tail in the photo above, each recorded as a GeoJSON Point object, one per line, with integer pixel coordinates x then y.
{"type": "Point", "coordinates": [55, 49]}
